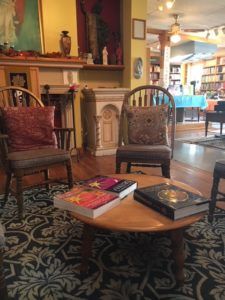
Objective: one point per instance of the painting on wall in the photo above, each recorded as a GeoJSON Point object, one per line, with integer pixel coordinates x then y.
{"type": "Point", "coordinates": [20, 24]}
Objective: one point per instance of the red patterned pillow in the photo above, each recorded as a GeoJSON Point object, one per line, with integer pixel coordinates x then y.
{"type": "Point", "coordinates": [29, 127]}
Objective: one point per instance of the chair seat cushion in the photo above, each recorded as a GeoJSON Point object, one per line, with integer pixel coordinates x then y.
{"type": "Point", "coordinates": [219, 169]}
{"type": "Point", "coordinates": [29, 127]}
{"type": "Point", "coordinates": [37, 158]}
{"type": "Point", "coordinates": [144, 152]}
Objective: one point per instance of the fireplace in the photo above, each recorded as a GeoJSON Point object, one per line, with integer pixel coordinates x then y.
{"type": "Point", "coordinates": [102, 107]}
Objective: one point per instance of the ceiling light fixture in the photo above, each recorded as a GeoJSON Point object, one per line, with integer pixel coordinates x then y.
{"type": "Point", "coordinates": [170, 3]}
{"type": "Point", "coordinates": [160, 6]}
{"type": "Point", "coordinates": [175, 38]}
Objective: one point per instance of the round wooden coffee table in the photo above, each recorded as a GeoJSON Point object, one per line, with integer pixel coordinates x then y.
{"type": "Point", "coordinates": [133, 216]}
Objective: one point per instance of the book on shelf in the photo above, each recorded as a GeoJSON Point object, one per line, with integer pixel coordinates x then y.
{"type": "Point", "coordinates": [86, 201]}
{"type": "Point", "coordinates": [171, 201]}
{"type": "Point", "coordinates": [122, 187]}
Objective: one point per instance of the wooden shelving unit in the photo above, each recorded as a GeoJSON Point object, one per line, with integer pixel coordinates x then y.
{"type": "Point", "coordinates": [175, 75]}
{"type": "Point", "coordinates": [104, 67]}
{"type": "Point", "coordinates": [213, 78]}
{"type": "Point", "coordinates": [154, 70]}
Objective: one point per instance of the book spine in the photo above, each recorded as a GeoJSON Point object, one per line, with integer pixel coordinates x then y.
{"type": "Point", "coordinates": [158, 206]}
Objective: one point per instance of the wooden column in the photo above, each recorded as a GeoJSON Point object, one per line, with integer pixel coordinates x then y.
{"type": "Point", "coordinates": [164, 59]}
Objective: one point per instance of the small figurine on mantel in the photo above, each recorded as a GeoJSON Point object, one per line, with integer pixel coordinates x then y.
{"type": "Point", "coordinates": [90, 59]}
{"type": "Point", "coordinates": [119, 55]}
{"type": "Point", "coordinates": [105, 56]}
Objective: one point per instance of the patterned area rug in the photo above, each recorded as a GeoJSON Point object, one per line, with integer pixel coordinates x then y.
{"type": "Point", "coordinates": [43, 256]}
{"type": "Point", "coordinates": [213, 142]}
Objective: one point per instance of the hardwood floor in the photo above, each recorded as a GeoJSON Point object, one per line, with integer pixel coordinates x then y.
{"type": "Point", "coordinates": [89, 166]}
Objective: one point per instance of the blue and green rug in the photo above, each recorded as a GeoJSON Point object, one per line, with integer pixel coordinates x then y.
{"type": "Point", "coordinates": [43, 256]}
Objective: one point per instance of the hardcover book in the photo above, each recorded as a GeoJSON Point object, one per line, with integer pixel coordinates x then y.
{"type": "Point", "coordinates": [122, 187]}
{"type": "Point", "coordinates": [171, 201]}
{"type": "Point", "coordinates": [86, 201]}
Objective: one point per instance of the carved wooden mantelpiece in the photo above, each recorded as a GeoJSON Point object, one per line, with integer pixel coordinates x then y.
{"type": "Point", "coordinates": [102, 110]}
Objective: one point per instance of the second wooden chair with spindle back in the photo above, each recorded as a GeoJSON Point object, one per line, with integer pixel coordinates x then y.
{"type": "Point", "coordinates": [148, 113]}
{"type": "Point", "coordinates": [29, 143]}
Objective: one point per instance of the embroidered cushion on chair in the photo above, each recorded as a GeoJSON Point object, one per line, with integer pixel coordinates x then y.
{"type": "Point", "coordinates": [147, 125]}
{"type": "Point", "coordinates": [29, 127]}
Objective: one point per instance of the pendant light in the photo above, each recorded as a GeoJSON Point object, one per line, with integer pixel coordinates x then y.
{"type": "Point", "coordinates": [175, 38]}
{"type": "Point", "coordinates": [170, 3]}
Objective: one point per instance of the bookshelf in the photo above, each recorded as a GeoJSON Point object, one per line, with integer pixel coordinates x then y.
{"type": "Point", "coordinates": [175, 75]}
{"type": "Point", "coordinates": [154, 69]}
{"type": "Point", "coordinates": [213, 78]}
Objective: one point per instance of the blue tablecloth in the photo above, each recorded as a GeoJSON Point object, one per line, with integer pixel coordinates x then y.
{"type": "Point", "coordinates": [190, 101]}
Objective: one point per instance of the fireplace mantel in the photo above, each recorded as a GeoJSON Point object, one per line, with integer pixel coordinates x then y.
{"type": "Point", "coordinates": [30, 61]}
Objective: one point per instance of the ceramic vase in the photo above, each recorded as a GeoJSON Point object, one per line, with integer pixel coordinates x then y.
{"type": "Point", "coordinates": [65, 43]}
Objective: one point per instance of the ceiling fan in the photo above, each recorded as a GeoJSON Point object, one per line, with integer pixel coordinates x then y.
{"type": "Point", "coordinates": [176, 33]}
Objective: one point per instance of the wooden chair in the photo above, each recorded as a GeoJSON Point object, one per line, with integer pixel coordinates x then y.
{"type": "Point", "coordinates": [147, 113]}
{"type": "Point", "coordinates": [38, 159]}
{"type": "Point", "coordinates": [219, 172]}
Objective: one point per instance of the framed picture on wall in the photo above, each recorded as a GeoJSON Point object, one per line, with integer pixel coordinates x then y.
{"type": "Point", "coordinates": [21, 25]}
{"type": "Point", "coordinates": [138, 29]}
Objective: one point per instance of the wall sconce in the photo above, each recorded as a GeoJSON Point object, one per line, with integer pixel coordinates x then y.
{"type": "Point", "coordinates": [175, 38]}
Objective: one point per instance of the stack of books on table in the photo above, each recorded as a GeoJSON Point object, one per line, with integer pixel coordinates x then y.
{"type": "Point", "coordinates": [95, 196]}
{"type": "Point", "coordinates": [122, 187]}
{"type": "Point", "coordinates": [171, 201]}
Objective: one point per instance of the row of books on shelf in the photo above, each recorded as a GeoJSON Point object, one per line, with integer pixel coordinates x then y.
{"type": "Point", "coordinates": [217, 77]}
{"type": "Point", "coordinates": [209, 70]}
{"type": "Point", "coordinates": [220, 69]}
{"type": "Point", "coordinates": [154, 68]}
{"type": "Point", "coordinates": [175, 76]}
{"type": "Point", "coordinates": [154, 76]}
{"type": "Point", "coordinates": [213, 86]}
{"type": "Point", "coordinates": [99, 194]}
{"type": "Point", "coordinates": [175, 69]}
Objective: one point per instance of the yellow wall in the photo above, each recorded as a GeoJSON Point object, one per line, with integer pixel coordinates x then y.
{"type": "Point", "coordinates": [58, 15]}
{"type": "Point", "coordinates": [133, 48]}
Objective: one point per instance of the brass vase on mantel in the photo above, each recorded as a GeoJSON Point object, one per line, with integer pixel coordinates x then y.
{"type": "Point", "coordinates": [65, 43]}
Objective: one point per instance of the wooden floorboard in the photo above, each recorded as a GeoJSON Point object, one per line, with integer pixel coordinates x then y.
{"type": "Point", "coordinates": [89, 166]}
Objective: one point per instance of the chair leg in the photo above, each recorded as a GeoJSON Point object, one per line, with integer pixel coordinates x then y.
{"type": "Point", "coordinates": [128, 167]}
{"type": "Point", "coordinates": [166, 170]}
{"type": "Point", "coordinates": [214, 191]}
{"type": "Point", "coordinates": [46, 175]}
{"type": "Point", "coordinates": [19, 196]}
{"type": "Point", "coordinates": [118, 166]}
{"type": "Point", "coordinates": [7, 186]}
{"type": "Point", "coordinates": [69, 174]}
{"type": "Point", "coordinates": [3, 289]}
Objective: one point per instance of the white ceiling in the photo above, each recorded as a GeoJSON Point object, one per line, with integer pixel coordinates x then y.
{"type": "Point", "coordinates": [194, 14]}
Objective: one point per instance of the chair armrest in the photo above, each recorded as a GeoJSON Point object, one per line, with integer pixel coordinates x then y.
{"type": "Point", "coordinates": [63, 136]}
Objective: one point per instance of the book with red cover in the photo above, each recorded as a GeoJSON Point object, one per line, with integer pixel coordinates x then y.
{"type": "Point", "coordinates": [122, 187]}
{"type": "Point", "coordinates": [86, 201]}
